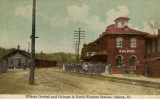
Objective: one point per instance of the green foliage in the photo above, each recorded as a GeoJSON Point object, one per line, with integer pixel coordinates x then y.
{"type": "Point", "coordinates": [4, 51]}
{"type": "Point", "coordinates": [61, 57]}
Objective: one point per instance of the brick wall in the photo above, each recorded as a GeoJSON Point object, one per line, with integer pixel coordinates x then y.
{"type": "Point", "coordinates": [154, 69]}
{"type": "Point", "coordinates": [113, 52]}
{"type": "Point", "coordinates": [153, 66]}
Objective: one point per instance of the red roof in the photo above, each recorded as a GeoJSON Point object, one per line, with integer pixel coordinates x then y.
{"type": "Point", "coordinates": [124, 30]}
{"type": "Point", "coordinates": [112, 25]}
{"type": "Point", "coordinates": [122, 18]}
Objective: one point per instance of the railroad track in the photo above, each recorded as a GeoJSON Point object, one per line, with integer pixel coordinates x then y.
{"type": "Point", "coordinates": [63, 81]}
{"type": "Point", "coordinates": [155, 85]}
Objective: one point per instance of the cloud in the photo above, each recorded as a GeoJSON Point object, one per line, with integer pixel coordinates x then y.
{"type": "Point", "coordinates": [112, 14]}
{"type": "Point", "coordinates": [79, 14]}
{"type": "Point", "coordinates": [148, 28]}
{"type": "Point", "coordinates": [94, 24]}
{"type": "Point", "coordinates": [133, 27]}
{"type": "Point", "coordinates": [82, 15]}
{"type": "Point", "coordinates": [25, 12]}
{"type": "Point", "coordinates": [76, 13]}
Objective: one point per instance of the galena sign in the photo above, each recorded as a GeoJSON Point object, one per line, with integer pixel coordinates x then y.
{"type": "Point", "coordinates": [126, 51]}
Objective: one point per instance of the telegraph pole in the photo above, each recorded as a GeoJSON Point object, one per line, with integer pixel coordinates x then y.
{"type": "Point", "coordinates": [32, 67]}
{"type": "Point", "coordinates": [75, 44]}
{"type": "Point", "coordinates": [28, 46]}
{"type": "Point", "coordinates": [78, 35]}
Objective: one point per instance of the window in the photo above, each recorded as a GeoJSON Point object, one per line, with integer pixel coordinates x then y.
{"type": "Point", "coordinates": [119, 42]}
{"type": "Point", "coordinates": [159, 45]}
{"type": "Point", "coordinates": [87, 54]}
{"type": "Point", "coordinates": [26, 61]}
{"type": "Point", "coordinates": [133, 61]}
{"type": "Point", "coordinates": [122, 23]}
{"type": "Point", "coordinates": [11, 61]}
{"type": "Point", "coordinates": [148, 48]}
{"type": "Point", "coordinates": [19, 62]}
{"type": "Point", "coordinates": [93, 53]}
{"type": "Point", "coordinates": [153, 46]}
{"type": "Point", "coordinates": [119, 60]}
{"type": "Point", "coordinates": [133, 42]}
{"type": "Point", "coordinates": [7, 61]}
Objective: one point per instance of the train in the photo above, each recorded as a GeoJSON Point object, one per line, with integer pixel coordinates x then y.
{"type": "Point", "coordinates": [45, 63]}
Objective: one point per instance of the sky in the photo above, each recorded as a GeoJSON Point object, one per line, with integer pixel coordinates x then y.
{"type": "Point", "coordinates": [56, 21]}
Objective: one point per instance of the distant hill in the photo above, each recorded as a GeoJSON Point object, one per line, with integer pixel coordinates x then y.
{"type": "Point", "coordinates": [60, 57]}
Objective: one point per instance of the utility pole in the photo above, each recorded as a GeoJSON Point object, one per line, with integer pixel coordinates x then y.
{"type": "Point", "coordinates": [78, 35]}
{"type": "Point", "coordinates": [75, 54]}
{"type": "Point", "coordinates": [32, 67]}
{"type": "Point", "coordinates": [28, 46]}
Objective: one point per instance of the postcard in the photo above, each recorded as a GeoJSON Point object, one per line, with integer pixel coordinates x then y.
{"type": "Point", "coordinates": [79, 49]}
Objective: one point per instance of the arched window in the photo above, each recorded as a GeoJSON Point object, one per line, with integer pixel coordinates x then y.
{"type": "Point", "coordinates": [133, 61]}
{"type": "Point", "coordinates": [119, 60]}
{"type": "Point", "coordinates": [133, 42]}
{"type": "Point", "coordinates": [119, 42]}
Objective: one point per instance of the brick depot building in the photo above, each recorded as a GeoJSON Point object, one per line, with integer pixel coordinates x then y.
{"type": "Point", "coordinates": [120, 44]}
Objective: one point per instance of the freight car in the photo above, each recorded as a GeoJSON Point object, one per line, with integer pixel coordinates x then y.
{"type": "Point", "coordinates": [45, 63]}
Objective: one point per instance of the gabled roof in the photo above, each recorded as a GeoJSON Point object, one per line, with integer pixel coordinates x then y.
{"type": "Point", "coordinates": [121, 18]}
{"type": "Point", "coordinates": [24, 53]}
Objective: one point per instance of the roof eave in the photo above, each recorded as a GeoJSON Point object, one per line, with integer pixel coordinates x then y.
{"type": "Point", "coordinates": [106, 33]}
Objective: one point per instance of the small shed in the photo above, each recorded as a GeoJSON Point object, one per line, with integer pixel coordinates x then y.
{"type": "Point", "coordinates": [17, 59]}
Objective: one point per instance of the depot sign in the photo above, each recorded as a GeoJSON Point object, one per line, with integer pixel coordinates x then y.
{"type": "Point", "coordinates": [126, 51]}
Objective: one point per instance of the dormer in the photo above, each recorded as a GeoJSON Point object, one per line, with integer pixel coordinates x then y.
{"type": "Point", "coordinates": [121, 22]}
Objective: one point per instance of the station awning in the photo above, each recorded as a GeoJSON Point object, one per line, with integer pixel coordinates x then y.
{"type": "Point", "coordinates": [103, 52]}
{"type": "Point", "coordinates": [150, 59]}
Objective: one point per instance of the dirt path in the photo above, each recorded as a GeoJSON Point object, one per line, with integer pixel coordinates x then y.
{"type": "Point", "coordinates": [55, 81]}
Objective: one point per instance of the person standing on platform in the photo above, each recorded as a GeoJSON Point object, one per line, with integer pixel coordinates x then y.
{"type": "Point", "coordinates": [110, 69]}
{"type": "Point", "coordinates": [146, 70]}
{"type": "Point", "coordinates": [106, 69]}
{"type": "Point", "coordinates": [122, 68]}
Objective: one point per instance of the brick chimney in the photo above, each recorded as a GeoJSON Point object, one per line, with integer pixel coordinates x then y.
{"type": "Point", "coordinates": [159, 32]}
